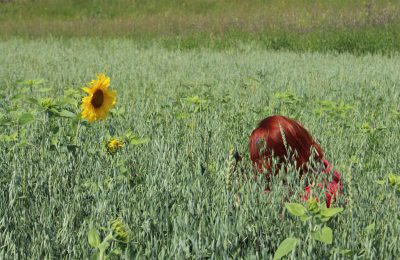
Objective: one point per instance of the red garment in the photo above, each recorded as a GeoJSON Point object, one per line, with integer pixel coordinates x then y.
{"type": "Point", "coordinates": [332, 189]}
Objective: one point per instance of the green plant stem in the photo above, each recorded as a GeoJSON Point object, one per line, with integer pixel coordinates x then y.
{"type": "Point", "coordinates": [77, 132]}
{"type": "Point", "coordinates": [106, 240]}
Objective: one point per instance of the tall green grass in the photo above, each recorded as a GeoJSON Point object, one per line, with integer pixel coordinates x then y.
{"type": "Point", "coordinates": [194, 105]}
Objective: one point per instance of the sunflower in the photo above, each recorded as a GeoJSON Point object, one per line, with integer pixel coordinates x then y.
{"type": "Point", "coordinates": [99, 101]}
{"type": "Point", "coordinates": [113, 145]}
{"type": "Point", "coordinates": [120, 231]}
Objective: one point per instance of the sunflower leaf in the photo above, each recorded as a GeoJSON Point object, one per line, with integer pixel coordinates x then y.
{"type": "Point", "coordinates": [95, 256]}
{"type": "Point", "coordinates": [195, 100]}
{"type": "Point", "coordinates": [94, 237]}
{"type": "Point", "coordinates": [285, 247]}
{"type": "Point", "coordinates": [67, 101]}
{"type": "Point", "coordinates": [25, 118]}
{"type": "Point", "coordinates": [138, 140]}
{"type": "Point", "coordinates": [296, 209]}
{"type": "Point", "coordinates": [42, 90]}
{"type": "Point", "coordinates": [323, 235]}
{"type": "Point", "coordinates": [9, 138]}
{"type": "Point", "coordinates": [370, 227]}
{"type": "Point", "coordinates": [33, 101]}
{"type": "Point", "coordinates": [5, 121]}
{"type": "Point", "coordinates": [31, 82]}
{"type": "Point", "coordinates": [17, 96]}
{"type": "Point", "coordinates": [66, 113]}
{"type": "Point", "coordinates": [330, 212]}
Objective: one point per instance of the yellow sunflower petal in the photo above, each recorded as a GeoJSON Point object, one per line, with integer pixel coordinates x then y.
{"type": "Point", "coordinates": [87, 90]}
{"type": "Point", "coordinates": [99, 101]}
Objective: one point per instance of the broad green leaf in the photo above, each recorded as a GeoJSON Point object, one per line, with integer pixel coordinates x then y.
{"type": "Point", "coordinates": [5, 121]}
{"type": "Point", "coordinates": [53, 112]}
{"type": "Point", "coordinates": [393, 179]}
{"type": "Point", "coordinates": [72, 92]}
{"type": "Point", "coordinates": [138, 140]}
{"type": "Point", "coordinates": [94, 237]}
{"type": "Point", "coordinates": [323, 235]}
{"type": "Point", "coordinates": [9, 138]}
{"type": "Point", "coordinates": [380, 182]}
{"type": "Point", "coordinates": [33, 100]}
{"type": "Point", "coordinates": [17, 96]}
{"type": "Point", "coordinates": [31, 82]}
{"type": "Point", "coordinates": [296, 209]}
{"type": "Point", "coordinates": [44, 89]}
{"type": "Point", "coordinates": [38, 81]}
{"type": "Point", "coordinates": [66, 101]}
{"type": "Point", "coordinates": [25, 118]}
{"type": "Point", "coordinates": [95, 256]}
{"type": "Point", "coordinates": [345, 252]}
{"type": "Point", "coordinates": [370, 227]}
{"type": "Point", "coordinates": [118, 112]}
{"type": "Point", "coordinates": [182, 115]}
{"type": "Point", "coordinates": [285, 247]}
{"type": "Point", "coordinates": [195, 100]}
{"type": "Point", "coordinates": [354, 159]}
{"type": "Point", "coordinates": [324, 219]}
{"type": "Point", "coordinates": [66, 113]}
{"type": "Point", "coordinates": [287, 97]}
{"type": "Point", "coordinates": [305, 218]}
{"type": "Point", "coordinates": [330, 212]}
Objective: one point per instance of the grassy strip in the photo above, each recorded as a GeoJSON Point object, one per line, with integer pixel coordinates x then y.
{"type": "Point", "coordinates": [371, 40]}
{"type": "Point", "coordinates": [357, 27]}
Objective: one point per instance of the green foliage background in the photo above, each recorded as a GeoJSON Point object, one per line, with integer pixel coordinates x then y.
{"type": "Point", "coordinates": [194, 106]}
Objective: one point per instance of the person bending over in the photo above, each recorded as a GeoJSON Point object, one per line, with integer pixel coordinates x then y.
{"type": "Point", "coordinates": [288, 141]}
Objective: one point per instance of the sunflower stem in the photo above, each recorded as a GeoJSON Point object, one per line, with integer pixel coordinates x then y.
{"type": "Point", "coordinates": [77, 132]}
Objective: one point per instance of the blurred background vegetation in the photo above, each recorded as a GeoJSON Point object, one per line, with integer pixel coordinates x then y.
{"type": "Point", "coordinates": [358, 26]}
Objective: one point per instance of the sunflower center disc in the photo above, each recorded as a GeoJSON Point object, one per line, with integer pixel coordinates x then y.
{"type": "Point", "coordinates": [98, 98]}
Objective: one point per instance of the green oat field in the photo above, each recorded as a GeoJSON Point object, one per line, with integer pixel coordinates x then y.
{"type": "Point", "coordinates": [172, 190]}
